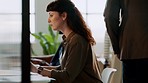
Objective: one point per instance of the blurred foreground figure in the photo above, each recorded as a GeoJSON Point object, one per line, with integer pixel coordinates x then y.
{"type": "Point", "coordinates": [127, 26]}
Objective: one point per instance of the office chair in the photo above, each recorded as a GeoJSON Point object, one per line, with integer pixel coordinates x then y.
{"type": "Point", "coordinates": [107, 74]}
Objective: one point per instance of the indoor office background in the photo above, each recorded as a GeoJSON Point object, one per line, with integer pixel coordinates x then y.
{"type": "Point", "coordinates": [11, 27]}
{"type": "Point", "coordinates": [92, 11]}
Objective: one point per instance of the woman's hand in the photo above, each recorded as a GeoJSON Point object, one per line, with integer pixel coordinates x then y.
{"type": "Point", "coordinates": [46, 72]}
{"type": "Point", "coordinates": [33, 68]}
{"type": "Point", "coordinates": [43, 72]}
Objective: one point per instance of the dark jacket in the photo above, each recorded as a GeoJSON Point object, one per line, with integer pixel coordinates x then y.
{"type": "Point", "coordinates": [129, 35]}
{"type": "Point", "coordinates": [79, 63]}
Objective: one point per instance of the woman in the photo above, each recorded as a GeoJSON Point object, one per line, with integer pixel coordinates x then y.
{"type": "Point", "coordinates": [78, 62]}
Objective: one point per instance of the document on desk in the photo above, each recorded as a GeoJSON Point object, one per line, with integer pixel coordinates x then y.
{"type": "Point", "coordinates": [38, 78]}
{"type": "Point", "coordinates": [12, 76]}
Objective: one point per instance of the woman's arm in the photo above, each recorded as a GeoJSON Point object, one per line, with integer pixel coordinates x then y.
{"type": "Point", "coordinates": [33, 68]}
{"type": "Point", "coordinates": [39, 59]}
{"type": "Point", "coordinates": [50, 67]}
{"type": "Point", "coordinates": [42, 70]}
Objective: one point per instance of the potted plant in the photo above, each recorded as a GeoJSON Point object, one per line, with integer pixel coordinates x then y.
{"type": "Point", "coordinates": [48, 41]}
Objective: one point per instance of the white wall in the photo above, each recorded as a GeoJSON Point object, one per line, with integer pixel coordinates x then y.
{"type": "Point", "coordinates": [41, 21]}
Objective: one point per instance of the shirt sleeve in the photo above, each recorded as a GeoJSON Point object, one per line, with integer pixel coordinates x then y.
{"type": "Point", "coordinates": [112, 14]}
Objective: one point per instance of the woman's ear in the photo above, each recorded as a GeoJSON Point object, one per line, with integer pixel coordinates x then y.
{"type": "Point", "coordinates": [64, 15]}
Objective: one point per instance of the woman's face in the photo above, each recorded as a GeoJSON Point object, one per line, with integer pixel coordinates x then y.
{"type": "Point", "coordinates": [55, 20]}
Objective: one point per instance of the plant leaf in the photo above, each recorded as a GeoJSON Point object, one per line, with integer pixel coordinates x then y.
{"type": "Point", "coordinates": [51, 32]}
{"type": "Point", "coordinates": [35, 35]}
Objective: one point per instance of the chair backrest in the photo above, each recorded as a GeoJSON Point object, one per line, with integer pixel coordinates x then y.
{"type": "Point", "coordinates": [107, 74]}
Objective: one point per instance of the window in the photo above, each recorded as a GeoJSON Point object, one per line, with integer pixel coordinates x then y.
{"type": "Point", "coordinates": [10, 35]}
{"type": "Point", "coordinates": [92, 11]}
{"type": "Point", "coordinates": [10, 26]}
{"type": "Point", "coordinates": [10, 20]}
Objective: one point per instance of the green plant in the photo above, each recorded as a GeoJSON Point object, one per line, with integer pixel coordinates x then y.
{"type": "Point", "coordinates": [48, 41]}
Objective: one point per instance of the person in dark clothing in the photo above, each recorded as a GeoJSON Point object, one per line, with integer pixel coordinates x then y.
{"type": "Point", "coordinates": [127, 25]}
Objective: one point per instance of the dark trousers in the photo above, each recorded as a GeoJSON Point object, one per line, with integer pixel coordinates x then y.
{"type": "Point", "coordinates": [135, 71]}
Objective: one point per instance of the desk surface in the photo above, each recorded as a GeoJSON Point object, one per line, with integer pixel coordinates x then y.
{"type": "Point", "coordinates": [7, 76]}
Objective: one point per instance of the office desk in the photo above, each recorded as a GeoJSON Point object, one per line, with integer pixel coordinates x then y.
{"type": "Point", "coordinates": [11, 76]}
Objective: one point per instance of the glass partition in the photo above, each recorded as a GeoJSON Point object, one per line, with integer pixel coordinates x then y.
{"type": "Point", "coordinates": [10, 39]}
